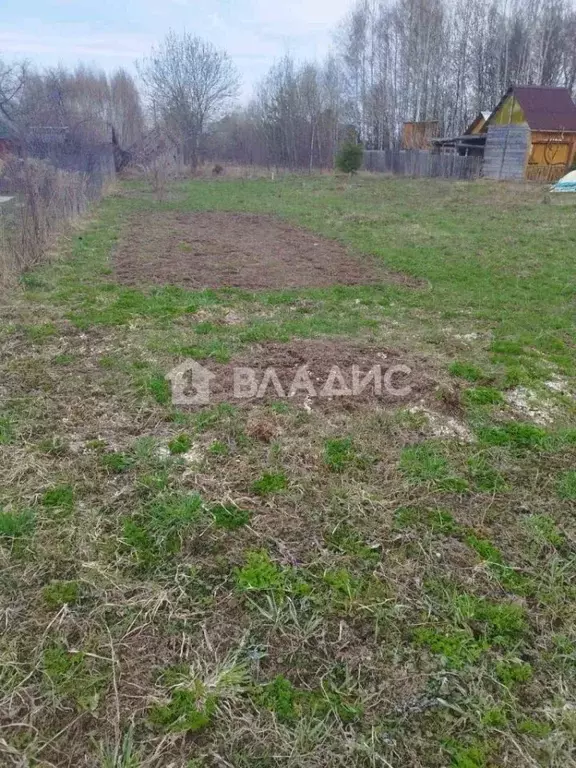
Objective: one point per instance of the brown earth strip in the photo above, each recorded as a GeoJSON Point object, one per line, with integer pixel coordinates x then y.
{"type": "Point", "coordinates": [238, 250]}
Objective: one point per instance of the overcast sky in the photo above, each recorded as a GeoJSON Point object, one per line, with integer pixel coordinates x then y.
{"type": "Point", "coordinates": [112, 33]}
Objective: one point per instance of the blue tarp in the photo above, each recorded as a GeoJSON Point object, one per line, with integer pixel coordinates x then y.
{"type": "Point", "coordinates": [567, 184]}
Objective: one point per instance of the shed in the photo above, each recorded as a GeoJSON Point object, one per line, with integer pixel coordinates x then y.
{"type": "Point", "coordinates": [470, 143]}
{"type": "Point", "coordinates": [550, 116]}
{"type": "Point", "coordinates": [419, 135]}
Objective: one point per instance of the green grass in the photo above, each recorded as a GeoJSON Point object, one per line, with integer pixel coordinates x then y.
{"type": "Point", "coordinates": [15, 524]}
{"type": "Point", "coordinates": [229, 517]}
{"type": "Point", "coordinates": [60, 593]}
{"type": "Point", "coordinates": [158, 531]}
{"type": "Point", "coordinates": [6, 430]}
{"type": "Point", "coordinates": [466, 371]}
{"type": "Point", "coordinates": [423, 463]}
{"type": "Point", "coordinates": [74, 677]}
{"type": "Point", "coordinates": [339, 453]}
{"type": "Point", "coordinates": [180, 444]}
{"type": "Point", "coordinates": [262, 584]}
{"type": "Point", "coordinates": [484, 396]}
{"type": "Point", "coordinates": [116, 462]}
{"type": "Point", "coordinates": [183, 713]}
{"type": "Point", "coordinates": [259, 573]}
{"type": "Point", "coordinates": [270, 483]}
{"type": "Point", "coordinates": [567, 485]}
{"type": "Point", "coordinates": [61, 496]}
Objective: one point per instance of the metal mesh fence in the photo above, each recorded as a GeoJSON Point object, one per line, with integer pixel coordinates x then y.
{"type": "Point", "coordinates": [40, 195]}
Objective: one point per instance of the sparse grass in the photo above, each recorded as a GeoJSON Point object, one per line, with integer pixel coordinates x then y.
{"type": "Point", "coordinates": [567, 485]}
{"type": "Point", "coordinates": [269, 483]}
{"type": "Point", "coordinates": [61, 496]}
{"type": "Point", "coordinates": [229, 516]}
{"type": "Point", "coordinates": [348, 587]}
{"type": "Point", "coordinates": [484, 396]}
{"type": "Point", "coordinates": [466, 371]}
{"type": "Point", "coordinates": [60, 593]}
{"type": "Point", "coordinates": [16, 524]}
{"type": "Point", "coordinates": [338, 453]}
{"type": "Point", "coordinates": [6, 430]}
{"type": "Point", "coordinates": [116, 462]}
{"type": "Point", "coordinates": [180, 444]}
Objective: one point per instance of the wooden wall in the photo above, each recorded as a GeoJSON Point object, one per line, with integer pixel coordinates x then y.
{"type": "Point", "coordinates": [552, 150]}
{"type": "Point", "coordinates": [420, 135]}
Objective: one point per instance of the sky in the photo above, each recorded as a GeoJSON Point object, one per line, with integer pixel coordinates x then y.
{"type": "Point", "coordinates": [113, 33]}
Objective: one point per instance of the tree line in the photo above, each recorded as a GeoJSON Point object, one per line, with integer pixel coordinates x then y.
{"type": "Point", "coordinates": [391, 61]}
{"type": "Point", "coordinates": [84, 105]}
{"type": "Point", "coordinates": [402, 60]}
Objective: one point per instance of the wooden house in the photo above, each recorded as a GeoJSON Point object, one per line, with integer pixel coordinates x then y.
{"type": "Point", "coordinates": [531, 135]}
{"type": "Point", "coordinates": [550, 115]}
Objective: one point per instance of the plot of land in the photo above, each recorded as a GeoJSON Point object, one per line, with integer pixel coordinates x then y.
{"type": "Point", "coordinates": [293, 582]}
{"type": "Point", "coordinates": [323, 374]}
{"type": "Point", "coordinates": [222, 250]}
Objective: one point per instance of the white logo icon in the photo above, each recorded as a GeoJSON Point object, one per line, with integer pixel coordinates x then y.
{"type": "Point", "coordinates": [190, 384]}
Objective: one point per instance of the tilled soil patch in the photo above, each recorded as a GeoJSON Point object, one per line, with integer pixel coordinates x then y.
{"type": "Point", "coordinates": [238, 250]}
{"type": "Point", "coordinates": [322, 374]}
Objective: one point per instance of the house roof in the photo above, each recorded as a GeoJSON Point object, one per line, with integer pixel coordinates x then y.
{"type": "Point", "coordinates": [546, 109]}
{"type": "Point", "coordinates": [480, 119]}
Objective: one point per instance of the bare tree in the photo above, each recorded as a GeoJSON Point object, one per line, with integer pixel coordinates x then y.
{"type": "Point", "coordinates": [189, 82]}
{"type": "Point", "coordinates": [127, 113]}
{"type": "Point", "coordinates": [13, 78]}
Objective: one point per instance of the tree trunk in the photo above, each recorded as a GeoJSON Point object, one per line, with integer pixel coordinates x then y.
{"type": "Point", "coordinates": [190, 151]}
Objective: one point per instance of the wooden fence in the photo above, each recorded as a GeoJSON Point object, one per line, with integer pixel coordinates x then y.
{"type": "Point", "coordinates": [422, 164]}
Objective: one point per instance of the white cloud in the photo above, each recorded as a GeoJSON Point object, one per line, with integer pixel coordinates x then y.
{"type": "Point", "coordinates": [254, 32]}
{"type": "Point", "coordinates": [296, 16]}
{"type": "Point", "coordinates": [71, 41]}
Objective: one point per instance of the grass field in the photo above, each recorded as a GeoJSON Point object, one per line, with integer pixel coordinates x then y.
{"type": "Point", "coordinates": [285, 584]}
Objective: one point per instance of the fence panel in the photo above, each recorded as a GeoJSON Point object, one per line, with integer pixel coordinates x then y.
{"type": "Point", "coordinates": [506, 154]}
{"type": "Point", "coordinates": [38, 199]}
{"type": "Point", "coordinates": [422, 164]}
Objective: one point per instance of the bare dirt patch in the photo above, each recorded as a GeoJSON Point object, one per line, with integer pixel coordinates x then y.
{"type": "Point", "coordinates": [238, 250]}
{"type": "Point", "coordinates": [319, 374]}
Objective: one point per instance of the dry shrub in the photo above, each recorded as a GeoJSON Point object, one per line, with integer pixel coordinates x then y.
{"type": "Point", "coordinates": [159, 172]}
{"type": "Point", "coordinates": [45, 199]}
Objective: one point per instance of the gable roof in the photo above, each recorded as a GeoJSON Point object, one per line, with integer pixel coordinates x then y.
{"type": "Point", "coordinates": [546, 109]}
{"type": "Point", "coordinates": [480, 120]}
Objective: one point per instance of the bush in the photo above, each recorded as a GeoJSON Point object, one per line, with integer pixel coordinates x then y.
{"type": "Point", "coordinates": [350, 156]}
